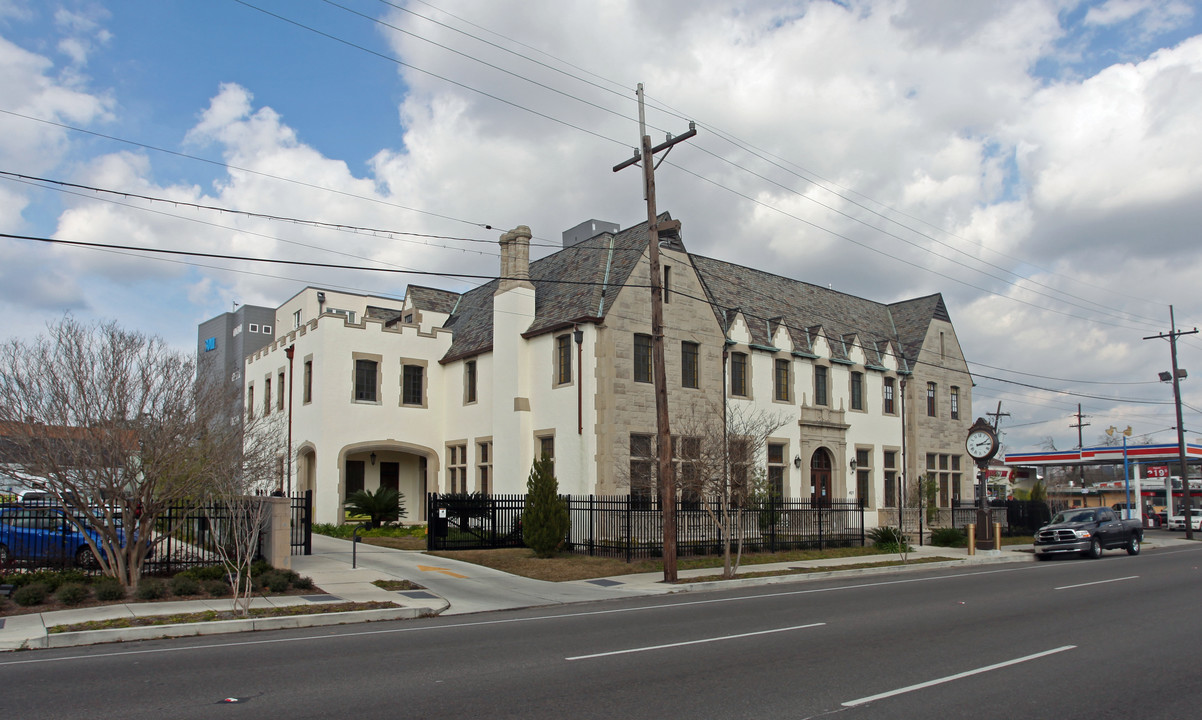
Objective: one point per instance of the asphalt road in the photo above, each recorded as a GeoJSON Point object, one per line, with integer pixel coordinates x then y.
{"type": "Point", "coordinates": [1111, 638]}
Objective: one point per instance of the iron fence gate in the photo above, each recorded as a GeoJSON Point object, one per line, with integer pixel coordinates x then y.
{"type": "Point", "coordinates": [301, 524]}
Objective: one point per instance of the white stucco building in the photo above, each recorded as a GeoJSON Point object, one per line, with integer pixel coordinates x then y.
{"type": "Point", "coordinates": [448, 392]}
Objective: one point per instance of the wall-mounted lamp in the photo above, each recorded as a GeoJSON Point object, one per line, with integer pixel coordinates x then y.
{"type": "Point", "coordinates": [578, 335]}
{"type": "Point", "coordinates": [853, 464]}
{"type": "Point", "coordinates": [797, 462]}
{"type": "Point", "coordinates": [372, 457]}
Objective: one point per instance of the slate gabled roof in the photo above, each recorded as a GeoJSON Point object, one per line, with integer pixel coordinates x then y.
{"type": "Point", "coordinates": [578, 282]}
{"type": "Point", "coordinates": [581, 282]}
{"type": "Point", "coordinates": [806, 310]}
{"type": "Point", "coordinates": [426, 298]}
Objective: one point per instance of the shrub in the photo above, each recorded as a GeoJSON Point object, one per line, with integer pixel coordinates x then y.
{"type": "Point", "coordinates": [948, 537]}
{"type": "Point", "coordinates": [107, 589]}
{"type": "Point", "coordinates": [545, 522]}
{"type": "Point", "coordinates": [258, 567]}
{"type": "Point", "coordinates": [151, 590]}
{"type": "Point", "coordinates": [302, 583]}
{"type": "Point", "coordinates": [184, 585]}
{"type": "Point", "coordinates": [274, 581]}
{"type": "Point", "coordinates": [31, 594]}
{"type": "Point", "coordinates": [885, 535]}
{"type": "Point", "coordinates": [73, 593]}
{"type": "Point", "coordinates": [217, 588]}
{"type": "Point", "coordinates": [385, 505]}
{"type": "Point", "coordinates": [206, 572]}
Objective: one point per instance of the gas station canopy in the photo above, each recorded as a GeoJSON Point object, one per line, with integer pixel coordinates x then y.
{"type": "Point", "coordinates": [1107, 455]}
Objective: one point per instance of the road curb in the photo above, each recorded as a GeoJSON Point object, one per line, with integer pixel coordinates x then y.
{"type": "Point", "coordinates": [220, 627]}
{"type": "Point", "coordinates": [826, 574]}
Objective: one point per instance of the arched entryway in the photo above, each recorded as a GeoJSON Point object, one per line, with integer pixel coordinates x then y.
{"type": "Point", "coordinates": [306, 469]}
{"type": "Point", "coordinates": [820, 476]}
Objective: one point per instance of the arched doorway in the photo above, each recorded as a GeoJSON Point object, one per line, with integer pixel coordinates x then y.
{"type": "Point", "coordinates": [820, 476]}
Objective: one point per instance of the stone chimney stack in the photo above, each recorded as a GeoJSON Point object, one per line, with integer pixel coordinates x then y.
{"type": "Point", "coordinates": [515, 260]}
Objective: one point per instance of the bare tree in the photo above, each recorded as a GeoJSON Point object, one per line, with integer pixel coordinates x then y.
{"type": "Point", "coordinates": [237, 507]}
{"type": "Point", "coordinates": [112, 424]}
{"type": "Point", "coordinates": [722, 467]}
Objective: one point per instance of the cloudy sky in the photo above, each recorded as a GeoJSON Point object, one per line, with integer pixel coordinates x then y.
{"type": "Point", "coordinates": [1035, 161]}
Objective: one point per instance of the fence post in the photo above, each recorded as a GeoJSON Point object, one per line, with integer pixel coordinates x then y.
{"type": "Point", "coordinates": [592, 524]}
{"type": "Point", "coordinates": [629, 528]}
{"type": "Point", "coordinates": [308, 522]}
{"type": "Point", "coordinates": [819, 523]}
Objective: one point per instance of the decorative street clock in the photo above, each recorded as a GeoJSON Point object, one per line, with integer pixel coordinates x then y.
{"type": "Point", "coordinates": [982, 442]}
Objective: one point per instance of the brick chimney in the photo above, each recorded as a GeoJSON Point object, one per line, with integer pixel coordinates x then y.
{"type": "Point", "coordinates": [515, 260]}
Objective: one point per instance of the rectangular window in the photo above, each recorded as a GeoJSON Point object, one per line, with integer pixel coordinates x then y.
{"type": "Point", "coordinates": [469, 381]}
{"type": "Point", "coordinates": [889, 388]}
{"type": "Point", "coordinates": [820, 385]}
{"type": "Point", "coordinates": [689, 377]}
{"type": "Point", "coordinates": [863, 475]}
{"type": "Point", "coordinates": [642, 461]}
{"type": "Point", "coordinates": [741, 460]}
{"type": "Point", "coordinates": [366, 380]}
{"type": "Point", "coordinates": [891, 489]}
{"type": "Point", "coordinates": [563, 359]}
{"type": "Point", "coordinates": [642, 358]}
{"type": "Point", "coordinates": [776, 469]}
{"type": "Point", "coordinates": [667, 284]}
{"type": "Point", "coordinates": [354, 476]}
{"type": "Point", "coordinates": [266, 329]}
{"type": "Point", "coordinates": [296, 319]}
{"type": "Point", "coordinates": [931, 399]}
{"type": "Point", "coordinates": [780, 383]}
{"type": "Point", "coordinates": [250, 401]}
{"type": "Point", "coordinates": [955, 395]}
{"type": "Point", "coordinates": [308, 390]}
{"type": "Point", "coordinates": [412, 385]}
{"type": "Point", "coordinates": [857, 391]}
{"type": "Point", "coordinates": [266, 396]}
{"type": "Point", "coordinates": [546, 449]}
{"type": "Point", "coordinates": [738, 374]}
{"type": "Point", "coordinates": [484, 466]}
{"type": "Point", "coordinates": [457, 468]}
{"type": "Point", "coordinates": [279, 395]}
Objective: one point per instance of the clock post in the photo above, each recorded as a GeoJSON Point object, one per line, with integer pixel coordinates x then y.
{"type": "Point", "coordinates": [982, 445]}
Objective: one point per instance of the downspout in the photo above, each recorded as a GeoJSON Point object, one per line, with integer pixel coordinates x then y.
{"type": "Point", "coordinates": [289, 352]}
{"type": "Point", "coordinates": [578, 335]}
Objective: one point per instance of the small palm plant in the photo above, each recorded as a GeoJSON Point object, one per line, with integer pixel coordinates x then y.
{"type": "Point", "coordinates": [385, 505]}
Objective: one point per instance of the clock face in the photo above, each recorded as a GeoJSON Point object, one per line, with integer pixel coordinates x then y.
{"type": "Point", "coordinates": [979, 444]}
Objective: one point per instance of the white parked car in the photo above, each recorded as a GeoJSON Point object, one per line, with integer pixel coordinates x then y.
{"type": "Point", "coordinates": [1177, 522]}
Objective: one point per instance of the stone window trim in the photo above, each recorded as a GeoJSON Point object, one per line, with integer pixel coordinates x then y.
{"type": "Point", "coordinates": [379, 361]}
{"type": "Point", "coordinates": [471, 382]}
{"type": "Point", "coordinates": [782, 380]}
{"type": "Point", "coordinates": [544, 443]}
{"type": "Point", "coordinates": [954, 399]}
{"type": "Point", "coordinates": [889, 399]}
{"type": "Point", "coordinates": [484, 461]}
{"type": "Point", "coordinates": [891, 471]}
{"type": "Point", "coordinates": [857, 398]}
{"type": "Point", "coordinates": [776, 454]}
{"type": "Point", "coordinates": [864, 456]}
{"type": "Point", "coordinates": [282, 391]}
{"type": "Point", "coordinates": [932, 399]}
{"type": "Point", "coordinates": [267, 395]}
{"type": "Point", "coordinates": [562, 371]}
{"type": "Point", "coordinates": [642, 358]}
{"type": "Point", "coordinates": [739, 375]}
{"type": "Point", "coordinates": [456, 465]}
{"type": "Point", "coordinates": [425, 366]}
{"type": "Point", "coordinates": [690, 365]}
{"type": "Point", "coordinates": [307, 380]}
{"type": "Point", "coordinates": [822, 384]}
{"type": "Point", "coordinates": [250, 400]}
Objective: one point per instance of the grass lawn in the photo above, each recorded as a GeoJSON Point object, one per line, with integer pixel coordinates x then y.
{"type": "Point", "coordinates": [568, 566]}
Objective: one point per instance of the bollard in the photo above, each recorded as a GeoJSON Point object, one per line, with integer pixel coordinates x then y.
{"type": "Point", "coordinates": [972, 538]}
{"type": "Point", "coordinates": [997, 536]}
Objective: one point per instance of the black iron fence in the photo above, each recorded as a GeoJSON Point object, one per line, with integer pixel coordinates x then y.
{"type": "Point", "coordinates": [184, 535]}
{"type": "Point", "coordinates": [301, 525]}
{"type": "Point", "coordinates": [1017, 517]}
{"type": "Point", "coordinates": [632, 527]}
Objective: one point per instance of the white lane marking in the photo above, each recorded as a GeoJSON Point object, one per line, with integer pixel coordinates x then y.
{"type": "Point", "coordinates": [957, 676]}
{"type": "Point", "coordinates": [1097, 582]}
{"type": "Point", "coordinates": [506, 621]}
{"type": "Point", "coordinates": [694, 642]}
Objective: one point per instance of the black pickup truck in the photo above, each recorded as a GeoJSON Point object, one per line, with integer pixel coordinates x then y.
{"type": "Point", "coordinates": [1087, 531]}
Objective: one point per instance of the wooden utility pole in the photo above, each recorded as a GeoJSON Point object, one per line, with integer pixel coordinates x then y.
{"type": "Point", "coordinates": [1080, 440]}
{"type": "Point", "coordinates": [1187, 502]}
{"type": "Point", "coordinates": [997, 416]}
{"type": "Point", "coordinates": [667, 484]}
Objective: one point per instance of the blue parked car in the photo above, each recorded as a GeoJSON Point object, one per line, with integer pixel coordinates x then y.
{"type": "Point", "coordinates": [43, 535]}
